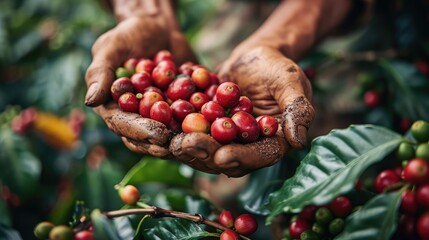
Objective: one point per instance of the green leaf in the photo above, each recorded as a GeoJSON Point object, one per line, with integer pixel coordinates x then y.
{"type": "Point", "coordinates": [409, 87]}
{"type": "Point", "coordinates": [124, 227]}
{"type": "Point", "coordinates": [332, 167]}
{"type": "Point", "coordinates": [177, 229]}
{"type": "Point", "coordinates": [103, 227]}
{"type": "Point", "coordinates": [377, 219]}
{"type": "Point", "coordinates": [8, 233]}
{"type": "Point", "coordinates": [151, 169]}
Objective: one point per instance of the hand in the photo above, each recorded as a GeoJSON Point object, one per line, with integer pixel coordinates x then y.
{"type": "Point", "coordinates": [277, 87]}
{"type": "Point", "coordinates": [133, 37]}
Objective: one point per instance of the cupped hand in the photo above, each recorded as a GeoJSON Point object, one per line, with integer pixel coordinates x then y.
{"type": "Point", "coordinates": [278, 87]}
{"type": "Point", "coordinates": [137, 37]}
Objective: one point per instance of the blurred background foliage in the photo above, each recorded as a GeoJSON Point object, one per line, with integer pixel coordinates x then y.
{"type": "Point", "coordinates": [70, 155]}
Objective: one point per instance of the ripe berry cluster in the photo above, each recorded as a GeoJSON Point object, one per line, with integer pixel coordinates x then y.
{"type": "Point", "coordinates": [244, 224]}
{"type": "Point", "coordinates": [320, 222]}
{"type": "Point", "coordinates": [47, 230]}
{"type": "Point", "coordinates": [188, 99]}
{"type": "Point", "coordinates": [414, 208]}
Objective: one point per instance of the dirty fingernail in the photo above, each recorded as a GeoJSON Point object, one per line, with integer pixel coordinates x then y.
{"type": "Point", "coordinates": [91, 94]}
{"type": "Point", "coordinates": [301, 135]}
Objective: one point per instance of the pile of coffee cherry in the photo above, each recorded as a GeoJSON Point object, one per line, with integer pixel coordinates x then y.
{"type": "Point", "coordinates": [188, 98]}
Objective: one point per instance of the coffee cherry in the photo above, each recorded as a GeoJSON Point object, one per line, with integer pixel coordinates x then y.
{"type": "Point", "coordinates": [162, 56]}
{"type": "Point", "coordinates": [214, 79]}
{"type": "Point", "coordinates": [195, 122]}
{"type": "Point", "coordinates": [128, 102]}
{"type": "Point", "coordinates": [309, 235]}
{"type": "Point", "coordinates": [408, 202]}
{"type": "Point", "coordinates": [61, 233]}
{"type": "Point", "coordinates": [148, 99]}
{"type": "Point", "coordinates": [336, 226]}
{"type": "Point", "coordinates": [422, 195]}
{"type": "Point", "coordinates": [405, 151]}
{"type": "Point", "coordinates": [130, 64]}
{"type": "Point", "coordinates": [416, 171]}
{"type": "Point", "coordinates": [212, 110]}
{"type": "Point", "coordinates": [145, 65]}
{"type": "Point", "coordinates": [42, 230]}
{"type": "Point", "coordinates": [228, 94]}
{"type": "Point", "coordinates": [248, 128]}
{"type": "Point", "coordinates": [180, 109]}
{"type": "Point", "coordinates": [244, 104]}
{"type": "Point", "coordinates": [129, 194]}
{"type": "Point", "coordinates": [422, 226]}
{"type": "Point", "coordinates": [201, 78]}
{"type": "Point", "coordinates": [245, 224]}
{"type": "Point", "coordinates": [121, 86]}
{"type": "Point", "coordinates": [229, 235]}
{"type": "Point", "coordinates": [323, 216]}
{"type": "Point", "coordinates": [307, 213]}
{"type": "Point", "coordinates": [174, 126]}
{"type": "Point", "coordinates": [371, 98]}
{"type": "Point", "coordinates": [268, 126]}
{"type": "Point", "coordinates": [422, 151]}
{"type": "Point", "coordinates": [181, 88]}
{"type": "Point", "coordinates": [141, 81]}
{"type": "Point", "coordinates": [211, 91]}
{"type": "Point", "coordinates": [224, 130]}
{"type": "Point", "coordinates": [406, 227]}
{"type": "Point", "coordinates": [84, 235]}
{"type": "Point", "coordinates": [185, 68]}
{"type": "Point", "coordinates": [161, 112]}
{"type": "Point", "coordinates": [386, 179]}
{"type": "Point", "coordinates": [420, 131]}
{"type": "Point", "coordinates": [154, 89]}
{"type": "Point", "coordinates": [319, 229]}
{"type": "Point", "coordinates": [226, 219]}
{"type": "Point", "coordinates": [198, 99]}
{"type": "Point", "coordinates": [123, 72]}
{"type": "Point", "coordinates": [297, 227]}
{"type": "Point", "coordinates": [163, 75]}
{"type": "Point", "coordinates": [341, 206]}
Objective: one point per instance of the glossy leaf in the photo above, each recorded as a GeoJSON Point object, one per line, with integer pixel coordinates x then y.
{"type": "Point", "coordinates": [124, 227]}
{"type": "Point", "coordinates": [333, 166]}
{"type": "Point", "coordinates": [151, 169]}
{"type": "Point", "coordinates": [8, 233]}
{"type": "Point", "coordinates": [103, 227]}
{"type": "Point", "coordinates": [177, 229]}
{"type": "Point", "coordinates": [377, 219]}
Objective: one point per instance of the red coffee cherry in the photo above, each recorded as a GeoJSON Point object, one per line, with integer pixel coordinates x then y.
{"type": "Point", "coordinates": [141, 81]}
{"type": "Point", "coordinates": [162, 55]}
{"type": "Point", "coordinates": [268, 125]}
{"type": "Point", "coordinates": [129, 194]}
{"type": "Point", "coordinates": [226, 219]}
{"type": "Point", "coordinates": [341, 206]}
{"type": "Point", "coordinates": [371, 98]}
{"type": "Point", "coordinates": [229, 235]}
{"type": "Point", "coordinates": [408, 202]}
{"type": "Point", "coordinates": [416, 171]}
{"type": "Point", "coordinates": [181, 88]}
{"type": "Point", "coordinates": [386, 179]}
{"type": "Point", "coordinates": [248, 128]}
{"type": "Point", "coordinates": [181, 108]}
{"type": "Point", "coordinates": [128, 102]}
{"type": "Point", "coordinates": [214, 79]}
{"type": "Point", "coordinates": [297, 227]}
{"type": "Point", "coordinates": [121, 86]}
{"type": "Point", "coordinates": [407, 227]}
{"type": "Point", "coordinates": [131, 64]}
{"type": "Point", "coordinates": [212, 110]}
{"type": "Point", "coordinates": [422, 226]}
{"type": "Point", "coordinates": [245, 224]}
{"type": "Point", "coordinates": [198, 99]}
{"type": "Point", "coordinates": [84, 235]}
{"type": "Point", "coordinates": [195, 122]}
{"type": "Point", "coordinates": [244, 104]}
{"type": "Point", "coordinates": [185, 68]}
{"type": "Point", "coordinates": [211, 91]}
{"type": "Point", "coordinates": [148, 99]}
{"type": "Point", "coordinates": [307, 213]}
{"type": "Point", "coordinates": [163, 74]}
{"type": "Point", "coordinates": [422, 196]}
{"type": "Point", "coordinates": [145, 65]}
{"type": "Point", "coordinates": [224, 130]}
{"type": "Point", "coordinates": [228, 94]}
{"type": "Point", "coordinates": [161, 112]}
{"type": "Point", "coordinates": [201, 78]}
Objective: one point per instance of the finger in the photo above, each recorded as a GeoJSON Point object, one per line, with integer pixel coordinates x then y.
{"type": "Point", "coordinates": [236, 160]}
{"type": "Point", "coordinates": [179, 147]}
{"type": "Point", "coordinates": [133, 126]}
{"type": "Point", "coordinates": [146, 148]}
{"type": "Point", "coordinates": [181, 49]}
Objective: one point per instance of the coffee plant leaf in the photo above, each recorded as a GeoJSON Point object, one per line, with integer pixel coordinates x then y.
{"type": "Point", "coordinates": [104, 228]}
{"type": "Point", "coordinates": [376, 220]}
{"type": "Point", "coordinates": [151, 169]}
{"type": "Point", "coordinates": [333, 166]}
{"type": "Point", "coordinates": [9, 233]}
{"type": "Point", "coordinates": [177, 229]}
{"type": "Point", "coordinates": [409, 89]}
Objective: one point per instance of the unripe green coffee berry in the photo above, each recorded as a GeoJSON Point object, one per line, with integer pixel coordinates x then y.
{"type": "Point", "coordinates": [61, 233]}
{"type": "Point", "coordinates": [309, 235]}
{"type": "Point", "coordinates": [123, 72]}
{"type": "Point", "coordinates": [336, 226]}
{"type": "Point", "coordinates": [319, 229]}
{"type": "Point", "coordinates": [323, 216]}
{"type": "Point", "coordinates": [422, 151]}
{"type": "Point", "coordinates": [405, 151]}
{"type": "Point", "coordinates": [420, 130]}
{"type": "Point", "coordinates": [42, 230]}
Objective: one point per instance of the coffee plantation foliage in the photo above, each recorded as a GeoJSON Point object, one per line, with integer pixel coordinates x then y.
{"type": "Point", "coordinates": [67, 166]}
